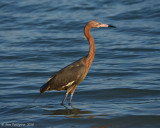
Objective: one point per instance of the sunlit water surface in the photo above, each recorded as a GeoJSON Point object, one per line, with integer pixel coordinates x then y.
{"type": "Point", "coordinates": [122, 88]}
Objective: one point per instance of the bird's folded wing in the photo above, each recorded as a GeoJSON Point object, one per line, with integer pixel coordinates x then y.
{"type": "Point", "coordinates": [67, 77]}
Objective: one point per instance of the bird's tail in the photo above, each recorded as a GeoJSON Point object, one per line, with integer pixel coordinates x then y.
{"type": "Point", "coordinates": [44, 88]}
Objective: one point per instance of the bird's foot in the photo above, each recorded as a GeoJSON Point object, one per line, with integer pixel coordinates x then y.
{"type": "Point", "coordinates": [62, 104]}
{"type": "Point", "coordinates": [69, 104]}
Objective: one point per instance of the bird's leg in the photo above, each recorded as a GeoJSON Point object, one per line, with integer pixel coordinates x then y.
{"type": "Point", "coordinates": [72, 92]}
{"type": "Point", "coordinates": [70, 99]}
{"type": "Point", "coordinates": [64, 99]}
{"type": "Point", "coordinates": [67, 92]}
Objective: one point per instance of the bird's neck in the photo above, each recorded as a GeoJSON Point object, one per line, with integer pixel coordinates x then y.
{"type": "Point", "coordinates": [91, 53]}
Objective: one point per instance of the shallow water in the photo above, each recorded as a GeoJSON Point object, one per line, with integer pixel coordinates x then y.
{"type": "Point", "coordinates": [121, 90]}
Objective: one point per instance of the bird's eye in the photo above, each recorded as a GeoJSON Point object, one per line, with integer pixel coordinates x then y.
{"type": "Point", "coordinates": [96, 24]}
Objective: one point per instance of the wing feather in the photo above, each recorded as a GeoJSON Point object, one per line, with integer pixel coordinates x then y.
{"type": "Point", "coordinates": [70, 75]}
{"type": "Point", "coordinates": [67, 75]}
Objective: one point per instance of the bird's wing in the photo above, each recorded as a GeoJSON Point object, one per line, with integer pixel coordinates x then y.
{"type": "Point", "coordinates": [66, 77]}
{"type": "Point", "coordinates": [70, 75]}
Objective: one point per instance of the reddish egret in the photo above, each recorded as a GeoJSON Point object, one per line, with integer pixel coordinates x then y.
{"type": "Point", "coordinates": [69, 77]}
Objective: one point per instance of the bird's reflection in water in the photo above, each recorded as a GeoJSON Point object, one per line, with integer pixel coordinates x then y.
{"type": "Point", "coordinates": [72, 112]}
{"type": "Point", "coordinates": [69, 111]}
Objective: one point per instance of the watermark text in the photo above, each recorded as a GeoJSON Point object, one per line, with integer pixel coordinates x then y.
{"type": "Point", "coordinates": [17, 125]}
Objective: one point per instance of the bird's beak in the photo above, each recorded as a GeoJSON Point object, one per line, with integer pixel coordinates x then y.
{"type": "Point", "coordinates": [106, 25]}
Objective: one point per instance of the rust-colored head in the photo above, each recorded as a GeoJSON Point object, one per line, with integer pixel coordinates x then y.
{"type": "Point", "coordinates": [95, 24]}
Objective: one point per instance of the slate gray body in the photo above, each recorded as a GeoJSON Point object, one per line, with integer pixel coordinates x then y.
{"type": "Point", "coordinates": [73, 72]}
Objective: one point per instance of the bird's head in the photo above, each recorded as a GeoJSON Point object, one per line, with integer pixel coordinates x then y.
{"type": "Point", "coordinates": [95, 24]}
